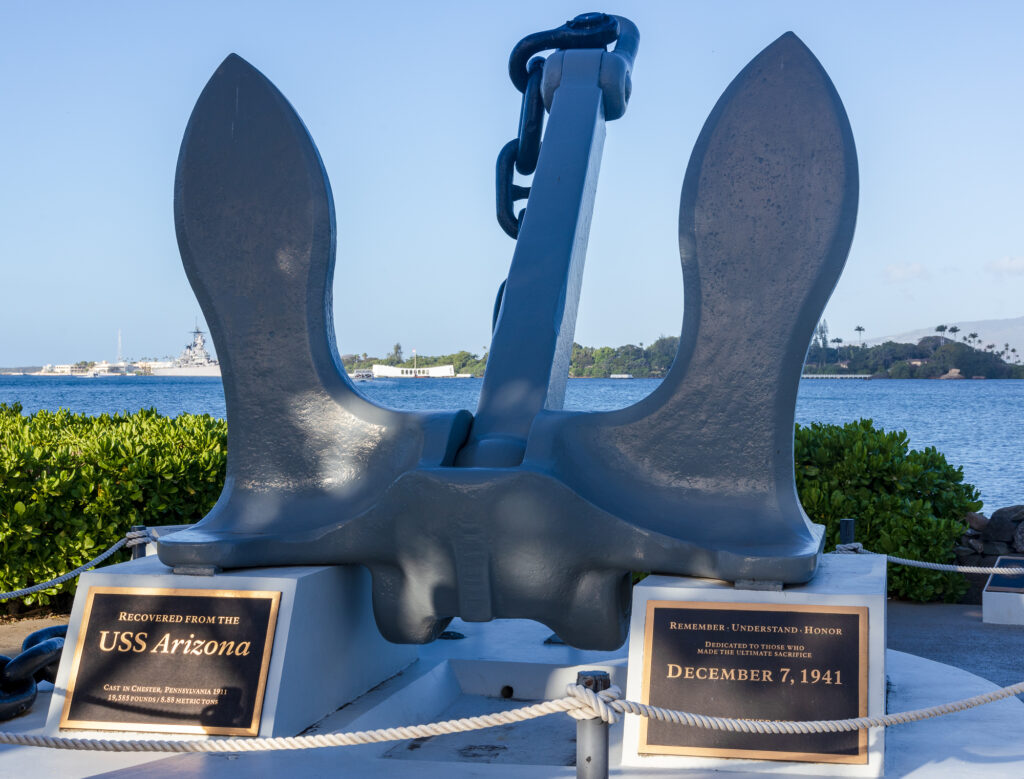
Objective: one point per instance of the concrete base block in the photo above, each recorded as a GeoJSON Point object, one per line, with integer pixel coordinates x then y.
{"type": "Point", "coordinates": [1002, 608]}
{"type": "Point", "coordinates": [326, 652]}
{"type": "Point", "coordinates": [841, 581]}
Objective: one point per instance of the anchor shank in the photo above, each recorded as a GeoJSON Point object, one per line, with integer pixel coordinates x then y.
{"type": "Point", "coordinates": [532, 342]}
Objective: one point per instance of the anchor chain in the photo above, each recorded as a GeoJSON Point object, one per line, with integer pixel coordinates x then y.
{"type": "Point", "coordinates": [37, 662]}
{"type": "Point", "coordinates": [586, 31]}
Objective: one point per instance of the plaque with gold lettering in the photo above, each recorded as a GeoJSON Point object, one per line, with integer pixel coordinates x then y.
{"type": "Point", "coordinates": [756, 661]}
{"type": "Point", "coordinates": [1001, 582]}
{"type": "Point", "coordinates": [171, 660]}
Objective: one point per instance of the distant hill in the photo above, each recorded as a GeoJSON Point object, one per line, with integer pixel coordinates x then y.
{"type": "Point", "coordinates": [990, 331]}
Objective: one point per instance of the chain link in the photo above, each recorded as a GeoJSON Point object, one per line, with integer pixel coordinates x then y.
{"type": "Point", "coordinates": [38, 661]}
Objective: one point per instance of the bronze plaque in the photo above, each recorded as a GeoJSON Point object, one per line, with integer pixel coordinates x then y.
{"type": "Point", "coordinates": [171, 660]}
{"type": "Point", "coordinates": [756, 661]}
{"type": "Point", "coordinates": [1003, 582]}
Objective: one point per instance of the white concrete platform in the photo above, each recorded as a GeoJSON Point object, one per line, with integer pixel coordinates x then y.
{"type": "Point", "coordinates": [453, 678]}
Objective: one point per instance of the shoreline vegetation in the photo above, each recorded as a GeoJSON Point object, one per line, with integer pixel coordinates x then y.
{"type": "Point", "coordinates": [939, 356]}
{"type": "Point", "coordinates": [932, 357]}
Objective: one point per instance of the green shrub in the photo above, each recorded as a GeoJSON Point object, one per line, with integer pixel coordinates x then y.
{"type": "Point", "coordinates": [906, 503]}
{"type": "Point", "coordinates": [71, 485]}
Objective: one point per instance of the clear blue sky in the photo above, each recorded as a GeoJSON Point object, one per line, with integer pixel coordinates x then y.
{"type": "Point", "coordinates": [409, 104]}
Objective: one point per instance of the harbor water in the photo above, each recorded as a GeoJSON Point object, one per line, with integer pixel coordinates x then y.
{"type": "Point", "coordinates": [978, 425]}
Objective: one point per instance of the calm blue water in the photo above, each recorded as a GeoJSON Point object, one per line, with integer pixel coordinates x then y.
{"type": "Point", "coordinates": [978, 425]}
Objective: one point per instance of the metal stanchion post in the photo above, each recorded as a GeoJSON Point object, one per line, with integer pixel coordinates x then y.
{"type": "Point", "coordinates": [592, 734]}
{"type": "Point", "coordinates": [140, 549]}
{"type": "Point", "coordinates": [847, 535]}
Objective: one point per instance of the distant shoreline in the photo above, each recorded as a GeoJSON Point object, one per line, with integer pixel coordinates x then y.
{"type": "Point", "coordinates": [807, 376]}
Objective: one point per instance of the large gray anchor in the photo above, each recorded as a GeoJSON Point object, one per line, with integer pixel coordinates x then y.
{"type": "Point", "coordinates": [523, 510]}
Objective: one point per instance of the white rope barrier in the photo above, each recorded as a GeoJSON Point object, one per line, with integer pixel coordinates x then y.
{"type": "Point", "coordinates": [132, 538]}
{"type": "Point", "coordinates": [579, 703]}
{"type": "Point", "coordinates": [857, 548]}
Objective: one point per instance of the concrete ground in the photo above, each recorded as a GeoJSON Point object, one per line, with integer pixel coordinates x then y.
{"type": "Point", "coordinates": [13, 633]}
{"type": "Point", "coordinates": [954, 634]}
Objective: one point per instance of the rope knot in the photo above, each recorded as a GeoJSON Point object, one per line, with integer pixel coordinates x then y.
{"type": "Point", "coordinates": [593, 705]}
{"type": "Point", "coordinates": [854, 548]}
{"type": "Point", "coordinates": [139, 537]}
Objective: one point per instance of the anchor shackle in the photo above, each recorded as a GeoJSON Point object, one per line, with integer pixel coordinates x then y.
{"type": "Point", "coordinates": [615, 78]}
{"type": "Point", "coordinates": [586, 31]}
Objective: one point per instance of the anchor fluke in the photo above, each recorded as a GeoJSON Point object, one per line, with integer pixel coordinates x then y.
{"type": "Point", "coordinates": [767, 214]}
{"type": "Point", "coordinates": [256, 231]}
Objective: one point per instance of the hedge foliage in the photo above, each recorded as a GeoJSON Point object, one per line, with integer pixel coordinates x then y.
{"type": "Point", "coordinates": [906, 503]}
{"type": "Point", "coordinates": [71, 485]}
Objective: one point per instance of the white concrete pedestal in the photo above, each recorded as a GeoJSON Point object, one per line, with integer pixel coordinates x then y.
{"type": "Point", "coordinates": [841, 581]}
{"type": "Point", "coordinates": [1002, 608]}
{"type": "Point", "coordinates": [1003, 605]}
{"type": "Point", "coordinates": [326, 652]}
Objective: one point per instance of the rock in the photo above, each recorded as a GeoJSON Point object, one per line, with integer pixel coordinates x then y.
{"type": "Point", "coordinates": [999, 528]}
{"type": "Point", "coordinates": [1012, 513]}
{"type": "Point", "coordinates": [963, 551]}
{"type": "Point", "coordinates": [975, 520]}
{"type": "Point", "coordinates": [976, 544]}
{"type": "Point", "coordinates": [971, 559]}
{"type": "Point", "coordinates": [996, 548]}
{"type": "Point", "coordinates": [1018, 538]}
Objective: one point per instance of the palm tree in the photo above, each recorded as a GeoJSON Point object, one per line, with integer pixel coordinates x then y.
{"type": "Point", "coordinates": [860, 332]}
{"type": "Point", "coordinates": [838, 342]}
{"type": "Point", "coordinates": [953, 331]}
{"type": "Point", "coordinates": [972, 337]}
{"type": "Point", "coordinates": [941, 329]}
